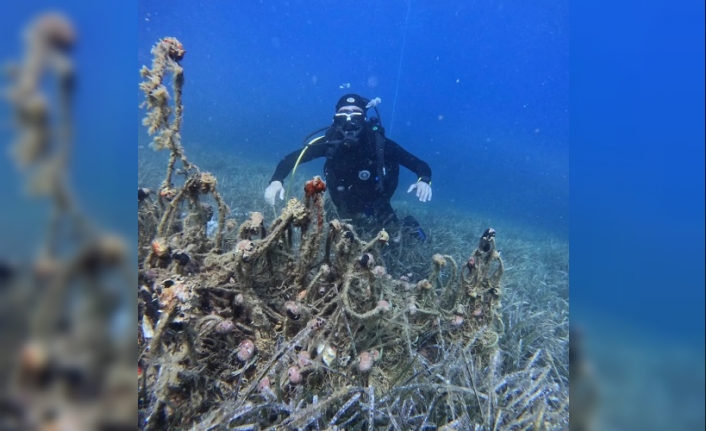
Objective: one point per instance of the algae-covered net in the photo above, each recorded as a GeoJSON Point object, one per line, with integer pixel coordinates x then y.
{"type": "Point", "coordinates": [307, 323]}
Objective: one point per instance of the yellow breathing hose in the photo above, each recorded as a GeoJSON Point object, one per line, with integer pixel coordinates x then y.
{"type": "Point", "coordinates": [291, 180]}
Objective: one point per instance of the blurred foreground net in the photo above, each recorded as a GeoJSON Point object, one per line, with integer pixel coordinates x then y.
{"type": "Point", "coordinates": [66, 362]}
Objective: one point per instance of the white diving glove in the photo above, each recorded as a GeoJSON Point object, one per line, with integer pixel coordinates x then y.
{"type": "Point", "coordinates": [423, 190]}
{"type": "Point", "coordinates": [272, 190]}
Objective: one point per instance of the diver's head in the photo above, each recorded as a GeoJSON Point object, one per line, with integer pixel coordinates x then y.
{"type": "Point", "coordinates": [349, 118]}
{"type": "Point", "coordinates": [352, 100]}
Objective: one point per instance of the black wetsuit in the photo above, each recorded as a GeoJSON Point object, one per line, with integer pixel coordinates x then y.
{"type": "Point", "coordinates": [353, 180]}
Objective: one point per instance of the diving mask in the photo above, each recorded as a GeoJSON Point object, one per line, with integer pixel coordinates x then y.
{"type": "Point", "coordinates": [349, 119]}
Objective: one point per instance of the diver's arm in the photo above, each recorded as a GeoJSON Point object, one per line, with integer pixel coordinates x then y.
{"type": "Point", "coordinates": [285, 166]}
{"type": "Point", "coordinates": [409, 161]}
{"type": "Point", "coordinates": [416, 165]}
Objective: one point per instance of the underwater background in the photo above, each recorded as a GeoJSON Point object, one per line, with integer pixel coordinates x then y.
{"type": "Point", "coordinates": [479, 90]}
{"type": "Point", "coordinates": [637, 133]}
{"type": "Point", "coordinates": [637, 208]}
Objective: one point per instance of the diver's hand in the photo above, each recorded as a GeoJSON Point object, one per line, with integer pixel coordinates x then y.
{"type": "Point", "coordinates": [423, 190]}
{"type": "Point", "coordinates": [272, 190]}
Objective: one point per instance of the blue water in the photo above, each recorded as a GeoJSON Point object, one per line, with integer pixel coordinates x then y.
{"type": "Point", "coordinates": [637, 207]}
{"type": "Point", "coordinates": [477, 89]}
{"type": "Point", "coordinates": [638, 166]}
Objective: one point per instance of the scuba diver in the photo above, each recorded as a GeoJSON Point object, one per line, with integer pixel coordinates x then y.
{"type": "Point", "coordinates": [362, 166]}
